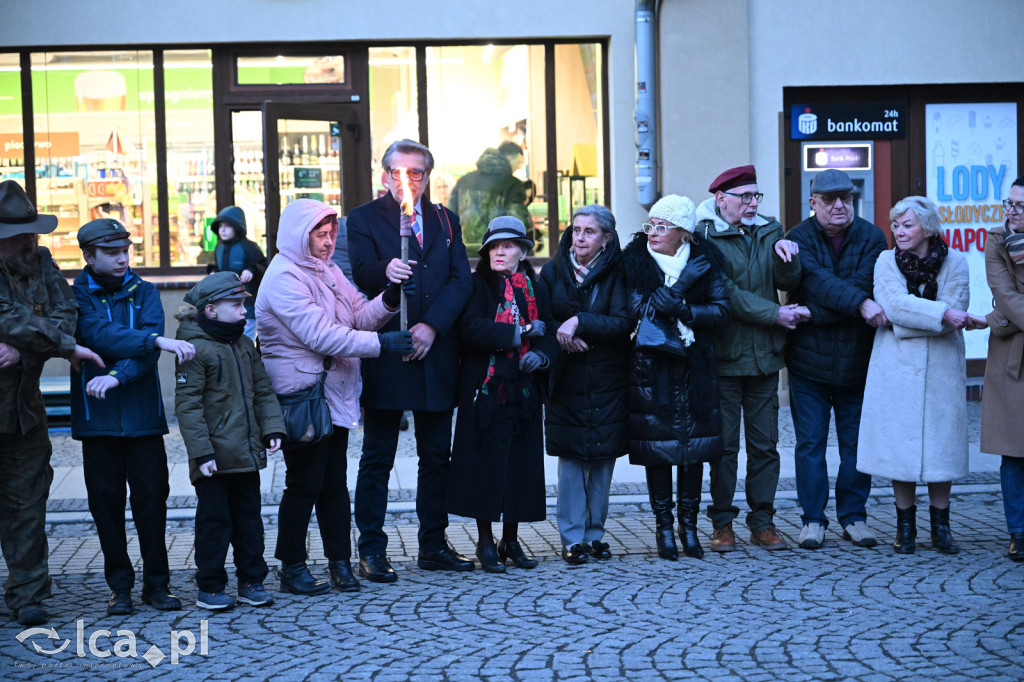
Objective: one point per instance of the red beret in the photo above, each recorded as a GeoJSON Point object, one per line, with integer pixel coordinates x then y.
{"type": "Point", "coordinates": [734, 177]}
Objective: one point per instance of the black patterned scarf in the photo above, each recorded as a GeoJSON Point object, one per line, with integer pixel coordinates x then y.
{"type": "Point", "coordinates": [1014, 242]}
{"type": "Point", "coordinates": [923, 271]}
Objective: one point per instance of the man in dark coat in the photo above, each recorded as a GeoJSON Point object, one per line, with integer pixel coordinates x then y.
{"type": "Point", "coordinates": [828, 356]}
{"type": "Point", "coordinates": [37, 322]}
{"type": "Point", "coordinates": [426, 381]}
{"type": "Point", "coordinates": [491, 191]}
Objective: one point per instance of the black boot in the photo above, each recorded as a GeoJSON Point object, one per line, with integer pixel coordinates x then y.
{"type": "Point", "coordinates": [688, 509]}
{"type": "Point", "coordinates": [487, 555]}
{"type": "Point", "coordinates": [1016, 551]}
{"type": "Point", "coordinates": [511, 549]}
{"type": "Point", "coordinates": [659, 488]}
{"type": "Point", "coordinates": [942, 538]}
{"type": "Point", "coordinates": [297, 579]}
{"type": "Point", "coordinates": [906, 530]}
{"type": "Point", "coordinates": [342, 577]}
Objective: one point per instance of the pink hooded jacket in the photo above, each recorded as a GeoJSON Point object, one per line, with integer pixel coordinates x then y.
{"type": "Point", "coordinates": [307, 310]}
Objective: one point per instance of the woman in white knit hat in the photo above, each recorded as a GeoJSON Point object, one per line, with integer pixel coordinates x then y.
{"type": "Point", "coordinates": [675, 281]}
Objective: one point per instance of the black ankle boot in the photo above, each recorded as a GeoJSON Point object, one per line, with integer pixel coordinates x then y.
{"type": "Point", "coordinates": [511, 549]}
{"type": "Point", "coordinates": [487, 555]}
{"type": "Point", "coordinates": [906, 530]}
{"type": "Point", "coordinates": [296, 578]}
{"type": "Point", "coordinates": [688, 509]}
{"type": "Point", "coordinates": [942, 538]}
{"type": "Point", "coordinates": [664, 534]}
{"type": "Point", "coordinates": [342, 577]}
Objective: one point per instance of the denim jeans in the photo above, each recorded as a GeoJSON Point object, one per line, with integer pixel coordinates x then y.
{"type": "Point", "coordinates": [1011, 474]}
{"type": "Point", "coordinates": [811, 403]}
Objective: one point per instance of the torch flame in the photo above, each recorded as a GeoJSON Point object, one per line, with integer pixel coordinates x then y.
{"type": "Point", "coordinates": [407, 205]}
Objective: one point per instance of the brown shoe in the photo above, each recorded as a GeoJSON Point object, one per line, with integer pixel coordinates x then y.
{"type": "Point", "coordinates": [723, 539]}
{"type": "Point", "coordinates": [769, 539]}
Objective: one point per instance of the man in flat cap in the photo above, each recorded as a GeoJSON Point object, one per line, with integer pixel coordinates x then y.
{"type": "Point", "coordinates": [828, 356]}
{"type": "Point", "coordinates": [748, 351]}
{"type": "Point", "coordinates": [37, 322]}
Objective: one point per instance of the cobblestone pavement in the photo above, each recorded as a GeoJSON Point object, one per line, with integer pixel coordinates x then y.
{"type": "Point", "coordinates": [837, 613]}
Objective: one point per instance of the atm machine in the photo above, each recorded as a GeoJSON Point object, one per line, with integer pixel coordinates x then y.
{"type": "Point", "coordinates": [856, 159]}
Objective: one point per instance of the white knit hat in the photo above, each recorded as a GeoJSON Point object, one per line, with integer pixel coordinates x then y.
{"type": "Point", "coordinates": [676, 209]}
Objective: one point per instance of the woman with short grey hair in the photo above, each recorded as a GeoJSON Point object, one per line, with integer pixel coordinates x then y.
{"type": "Point", "coordinates": [586, 418]}
{"type": "Point", "coordinates": [914, 421]}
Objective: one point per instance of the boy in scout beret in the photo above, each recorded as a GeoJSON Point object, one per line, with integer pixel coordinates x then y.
{"type": "Point", "coordinates": [117, 412]}
{"type": "Point", "coordinates": [230, 421]}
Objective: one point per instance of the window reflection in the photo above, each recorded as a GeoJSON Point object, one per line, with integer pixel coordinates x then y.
{"type": "Point", "coordinates": [12, 140]}
{"type": "Point", "coordinates": [394, 112]}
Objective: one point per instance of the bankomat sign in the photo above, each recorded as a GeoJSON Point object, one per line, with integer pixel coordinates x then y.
{"type": "Point", "coordinates": [848, 121]}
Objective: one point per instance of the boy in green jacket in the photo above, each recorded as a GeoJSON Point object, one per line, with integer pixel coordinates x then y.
{"type": "Point", "coordinates": [230, 421]}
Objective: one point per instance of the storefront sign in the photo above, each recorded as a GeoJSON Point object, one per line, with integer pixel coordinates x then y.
{"type": "Point", "coordinates": [884, 120]}
{"type": "Point", "coordinates": [12, 145]}
{"type": "Point", "coordinates": [971, 163]}
{"type": "Point", "coordinates": [311, 178]}
{"type": "Point", "coordinates": [843, 156]}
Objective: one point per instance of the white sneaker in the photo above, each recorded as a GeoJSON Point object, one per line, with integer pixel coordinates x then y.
{"type": "Point", "coordinates": [859, 534]}
{"type": "Point", "coordinates": [812, 536]}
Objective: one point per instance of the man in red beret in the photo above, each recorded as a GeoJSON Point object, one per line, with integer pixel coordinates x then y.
{"type": "Point", "coordinates": [758, 262]}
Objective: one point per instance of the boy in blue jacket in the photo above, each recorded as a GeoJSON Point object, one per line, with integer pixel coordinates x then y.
{"type": "Point", "coordinates": [118, 414]}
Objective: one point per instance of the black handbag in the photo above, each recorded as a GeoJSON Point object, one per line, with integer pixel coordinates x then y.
{"type": "Point", "coordinates": [307, 416]}
{"type": "Point", "coordinates": [657, 334]}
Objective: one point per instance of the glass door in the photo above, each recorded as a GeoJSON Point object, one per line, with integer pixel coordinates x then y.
{"type": "Point", "coordinates": [308, 152]}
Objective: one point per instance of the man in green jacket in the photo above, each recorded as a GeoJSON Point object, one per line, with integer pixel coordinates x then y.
{"type": "Point", "coordinates": [37, 322]}
{"type": "Point", "coordinates": [748, 351]}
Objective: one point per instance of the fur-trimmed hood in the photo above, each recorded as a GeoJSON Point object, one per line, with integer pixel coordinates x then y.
{"type": "Point", "coordinates": [642, 273]}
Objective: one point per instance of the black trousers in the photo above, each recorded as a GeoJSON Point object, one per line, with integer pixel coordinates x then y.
{"type": "Point", "coordinates": [228, 513]}
{"type": "Point", "coordinates": [316, 477]}
{"type": "Point", "coordinates": [434, 450]}
{"type": "Point", "coordinates": [110, 462]}
{"type": "Point", "coordinates": [689, 481]}
{"type": "Point", "coordinates": [25, 478]}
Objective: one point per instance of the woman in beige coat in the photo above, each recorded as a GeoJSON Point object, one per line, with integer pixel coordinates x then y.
{"type": "Point", "coordinates": [916, 382]}
{"type": "Point", "coordinates": [1002, 431]}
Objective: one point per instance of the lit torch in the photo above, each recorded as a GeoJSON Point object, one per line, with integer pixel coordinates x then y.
{"type": "Point", "coordinates": [405, 232]}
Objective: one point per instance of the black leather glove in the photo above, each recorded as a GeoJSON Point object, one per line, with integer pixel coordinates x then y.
{"type": "Point", "coordinates": [537, 329]}
{"type": "Point", "coordinates": [694, 270]}
{"type": "Point", "coordinates": [668, 301]}
{"type": "Point", "coordinates": [531, 361]}
{"type": "Point", "coordinates": [398, 343]}
{"type": "Point", "coordinates": [392, 297]}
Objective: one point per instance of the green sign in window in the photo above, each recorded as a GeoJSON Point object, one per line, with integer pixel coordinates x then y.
{"type": "Point", "coordinates": [309, 178]}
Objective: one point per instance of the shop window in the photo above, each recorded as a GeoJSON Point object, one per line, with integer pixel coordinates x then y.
{"type": "Point", "coordinates": [394, 113]}
{"type": "Point", "coordinates": [291, 70]}
{"type": "Point", "coordinates": [248, 178]}
{"type": "Point", "coordinates": [579, 116]}
{"type": "Point", "coordinates": [12, 140]}
{"type": "Point", "coordinates": [482, 99]}
{"type": "Point", "coordinates": [188, 103]}
{"type": "Point", "coordinates": [96, 147]}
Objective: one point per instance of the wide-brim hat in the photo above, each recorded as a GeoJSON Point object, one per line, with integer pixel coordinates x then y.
{"type": "Point", "coordinates": [18, 215]}
{"type": "Point", "coordinates": [505, 227]}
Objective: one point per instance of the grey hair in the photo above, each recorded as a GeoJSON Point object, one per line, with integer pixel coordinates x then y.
{"type": "Point", "coordinates": [605, 219]}
{"type": "Point", "coordinates": [926, 211]}
{"type": "Point", "coordinates": [407, 146]}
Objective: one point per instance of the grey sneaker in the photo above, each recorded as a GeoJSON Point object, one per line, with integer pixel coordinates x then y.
{"type": "Point", "coordinates": [812, 536]}
{"type": "Point", "coordinates": [859, 534]}
{"type": "Point", "coordinates": [254, 594]}
{"type": "Point", "coordinates": [214, 601]}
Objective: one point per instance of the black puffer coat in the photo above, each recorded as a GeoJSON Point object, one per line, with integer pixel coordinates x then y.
{"type": "Point", "coordinates": [586, 415]}
{"type": "Point", "coordinates": [674, 415]}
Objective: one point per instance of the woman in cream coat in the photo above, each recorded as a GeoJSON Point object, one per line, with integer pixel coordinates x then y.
{"type": "Point", "coordinates": [914, 423]}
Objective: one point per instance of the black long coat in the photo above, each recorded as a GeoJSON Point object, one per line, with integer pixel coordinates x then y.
{"type": "Point", "coordinates": [497, 468]}
{"type": "Point", "coordinates": [442, 287]}
{"type": "Point", "coordinates": [586, 416]}
{"type": "Point", "coordinates": [674, 414]}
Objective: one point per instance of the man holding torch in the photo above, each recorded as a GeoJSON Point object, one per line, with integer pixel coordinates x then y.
{"type": "Point", "coordinates": [424, 382]}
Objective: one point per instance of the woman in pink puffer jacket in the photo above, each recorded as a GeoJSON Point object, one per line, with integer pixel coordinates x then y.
{"type": "Point", "coordinates": [306, 313]}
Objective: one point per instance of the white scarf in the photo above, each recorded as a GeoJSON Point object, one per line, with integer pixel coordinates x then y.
{"type": "Point", "coordinates": [671, 267]}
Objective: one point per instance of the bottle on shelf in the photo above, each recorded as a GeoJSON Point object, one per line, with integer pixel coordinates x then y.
{"type": "Point", "coordinates": [285, 158]}
{"type": "Point", "coordinates": [323, 151]}
{"type": "Point", "coordinates": [305, 150]}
